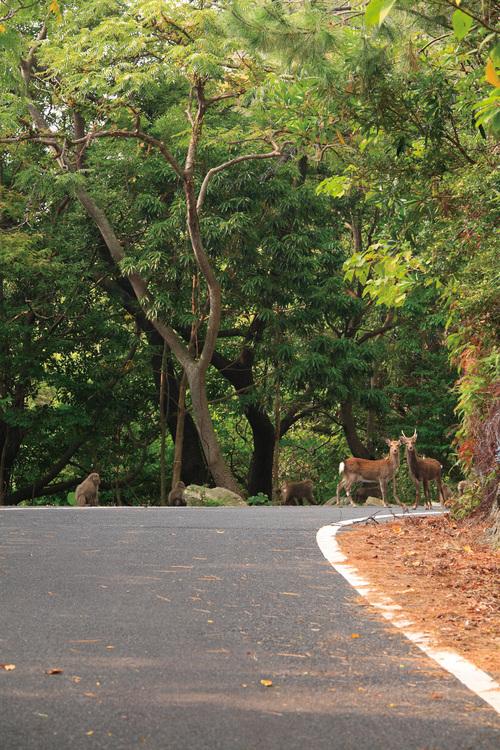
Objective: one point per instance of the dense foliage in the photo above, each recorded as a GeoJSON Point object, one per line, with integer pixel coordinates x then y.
{"type": "Point", "coordinates": [291, 203]}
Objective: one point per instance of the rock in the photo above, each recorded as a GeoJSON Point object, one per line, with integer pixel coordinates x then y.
{"type": "Point", "coordinates": [198, 496]}
{"type": "Point", "coordinates": [374, 501]}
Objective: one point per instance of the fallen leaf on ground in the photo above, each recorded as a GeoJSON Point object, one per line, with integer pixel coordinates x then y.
{"type": "Point", "coordinates": [7, 667]}
{"type": "Point", "coordinates": [355, 635]}
{"type": "Point", "coordinates": [266, 683]}
{"type": "Point", "coordinates": [55, 670]}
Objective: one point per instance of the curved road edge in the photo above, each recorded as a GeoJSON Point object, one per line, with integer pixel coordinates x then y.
{"type": "Point", "coordinates": [468, 674]}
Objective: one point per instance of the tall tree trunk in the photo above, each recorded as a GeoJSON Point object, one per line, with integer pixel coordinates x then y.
{"type": "Point", "coordinates": [260, 474]}
{"type": "Point", "coordinates": [215, 461]}
{"type": "Point", "coordinates": [357, 448]}
{"type": "Point", "coordinates": [163, 425]}
{"type": "Point", "coordinates": [240, 374]}
{"type": "Point", "coordinates": [3, 463]}
{"type": "Point", "coordinates": [179, 434]}
{"type": "Point", "coordinates": [276, 451]}
{"type": "Point", "coordinates": [194, 470]}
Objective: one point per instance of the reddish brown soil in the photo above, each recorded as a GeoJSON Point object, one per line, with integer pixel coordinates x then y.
{"type": "Point", "coordinates": [444, 576]}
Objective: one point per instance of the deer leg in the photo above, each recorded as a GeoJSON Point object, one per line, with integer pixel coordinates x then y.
{"type": "Point", "coordinates": [383, 489]}
{"type": "Point", "coordinates": [395, 492]}
{"type": "Point", "coordinates": [348, 485]}
{"type": "Point", "coordinates": [441, 498]}
{"type": "Point", "coordinates": [416, 482]}
{"type": "Point", "coordinates": [427, 494]}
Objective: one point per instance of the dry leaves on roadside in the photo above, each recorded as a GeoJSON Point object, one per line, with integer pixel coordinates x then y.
{"type": "Point", "coordinates": [443, 575]}
{"type": "Point", "coordinates": [8, 667]}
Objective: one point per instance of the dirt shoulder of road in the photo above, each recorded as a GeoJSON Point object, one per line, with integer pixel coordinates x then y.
{"type": "Point", "coordinates": [442, 574]}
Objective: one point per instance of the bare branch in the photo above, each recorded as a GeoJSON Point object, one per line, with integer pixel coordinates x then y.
{"type": "Point", "coordinates": [226, 165]}
{"type": "Point", "coordinates": [387, 326]}
{"type": "Point", "coordinates": [140, 135]}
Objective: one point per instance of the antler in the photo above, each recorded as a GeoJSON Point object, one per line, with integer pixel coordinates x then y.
{"type": "Point", "coordinates": [413, 437]}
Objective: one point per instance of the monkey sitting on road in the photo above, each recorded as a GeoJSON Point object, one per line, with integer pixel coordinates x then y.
{"type": "Point", "coordinates": [297, 493]}
{"type": "Point", "coordinates": [87, 493]}
{"type": "Point", "coordinates": [176, 496]}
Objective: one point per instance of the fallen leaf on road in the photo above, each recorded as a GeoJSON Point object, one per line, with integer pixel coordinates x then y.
{"type": "Point", "coordinates": [288, 593]}
{"type": "Point", "coordinates": [437, 696]}
{"type": "Point", "coordinates": [266, 683]}
{"type": "Point", "coordinates": [7, 667]}
{"type": "Point", "coordinates": [76, 679]}
{"type": "Point", "coordinates": [55, 670]}
{"type": "Point", "coordinates": [89, 733]}
{"type": "Point", "coordinates": [355, 635]}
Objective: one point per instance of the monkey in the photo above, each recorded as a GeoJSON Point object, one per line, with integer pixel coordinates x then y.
{"type": "Point", "coordinates": [87, 493]}
{"type": "Point", "coordinates": [297, 493]}
{"type": "Point", "coordinates": [465, 486]}
{"type": "Point", "coordinates": [176, 496]}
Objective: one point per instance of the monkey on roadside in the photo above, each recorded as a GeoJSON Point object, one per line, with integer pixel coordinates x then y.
{"type": "Point", "coordinates": [176, 496]}
{"type": "Point", "coordinates": [297, 493]}
{"type": "Point", "coordinates": [87, 493]}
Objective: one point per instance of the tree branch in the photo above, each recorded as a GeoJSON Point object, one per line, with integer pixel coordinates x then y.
{"type": "Point", "coordinates": [387, 326]}
{"type": "Point", "coordinates": [140, 135]}
{"type": "Point", "coordinates": [215, 170]}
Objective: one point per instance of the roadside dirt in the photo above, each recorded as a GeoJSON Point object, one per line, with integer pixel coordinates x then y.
{"type": "Point", "coordinates": [442, 574]}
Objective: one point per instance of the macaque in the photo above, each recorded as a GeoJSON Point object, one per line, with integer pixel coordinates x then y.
{"type": "Point", "coordinates": [176, 496]}
{"type": "Point", "coordinates": [296, 493]}
{"type": "Point", "coordinates": [87, 493]}
{"type": "Point", "coordinates": [466, 485]}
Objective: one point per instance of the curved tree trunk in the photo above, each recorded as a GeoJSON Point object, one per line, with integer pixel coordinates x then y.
{"type": "Point", "coordinates": [210, 445]}
{"type": "Point", "coordinates": [357, 448]}
{"type": "Point", "coordinates": [240, 374]}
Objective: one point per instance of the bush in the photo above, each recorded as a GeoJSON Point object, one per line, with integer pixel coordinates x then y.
{"type": "Point", "coordinates": [259, 499]}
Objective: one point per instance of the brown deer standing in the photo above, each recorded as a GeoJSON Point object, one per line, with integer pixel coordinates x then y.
{"type": "Point", "coordinates": [423, 470]}
{"type": "Point", "coordinates": [364, 470]}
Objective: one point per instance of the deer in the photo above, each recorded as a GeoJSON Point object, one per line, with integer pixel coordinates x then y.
{"type": "Point", "coordinates": [423, 470]}
{"type": "Point", "coordinates": [367, 470]}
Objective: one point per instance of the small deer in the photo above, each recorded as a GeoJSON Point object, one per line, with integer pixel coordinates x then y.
{"type": "Point", "coordinates": [423, 470]}
{"type": "Point", "coordinates": [364, 470]}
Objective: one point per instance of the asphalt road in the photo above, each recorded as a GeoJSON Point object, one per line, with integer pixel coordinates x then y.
{"type": "Point", "coordinates": [165, 621]}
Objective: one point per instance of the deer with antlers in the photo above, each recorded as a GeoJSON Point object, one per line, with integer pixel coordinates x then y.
{"type": "Point", "coordinates": [422, 470]}
{"type": "Point", "coordinates": [364, 470]}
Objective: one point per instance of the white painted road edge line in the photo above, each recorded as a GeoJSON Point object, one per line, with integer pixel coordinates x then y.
{"type": "Point", "coordinates": [475, 679]}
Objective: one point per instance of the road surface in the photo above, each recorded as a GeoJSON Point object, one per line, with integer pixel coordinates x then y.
{"type": "Point", "coordinates": [164, 622]}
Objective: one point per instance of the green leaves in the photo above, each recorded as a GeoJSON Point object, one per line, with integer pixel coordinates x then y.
{"type": "Point", "coordinates": [461, 23]}
{"type": "Point", "coordinates": [386, 276]}
{"type": "Point", "coordinates": [336, 186]}
{"type": "Point", "coordinates": [377, 11]}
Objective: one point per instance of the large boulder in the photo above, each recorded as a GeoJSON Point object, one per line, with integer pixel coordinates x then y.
{"type": "Point", "coordinates": [198, 496]}
{"type": "Point", "coordinates": [374, 501]}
